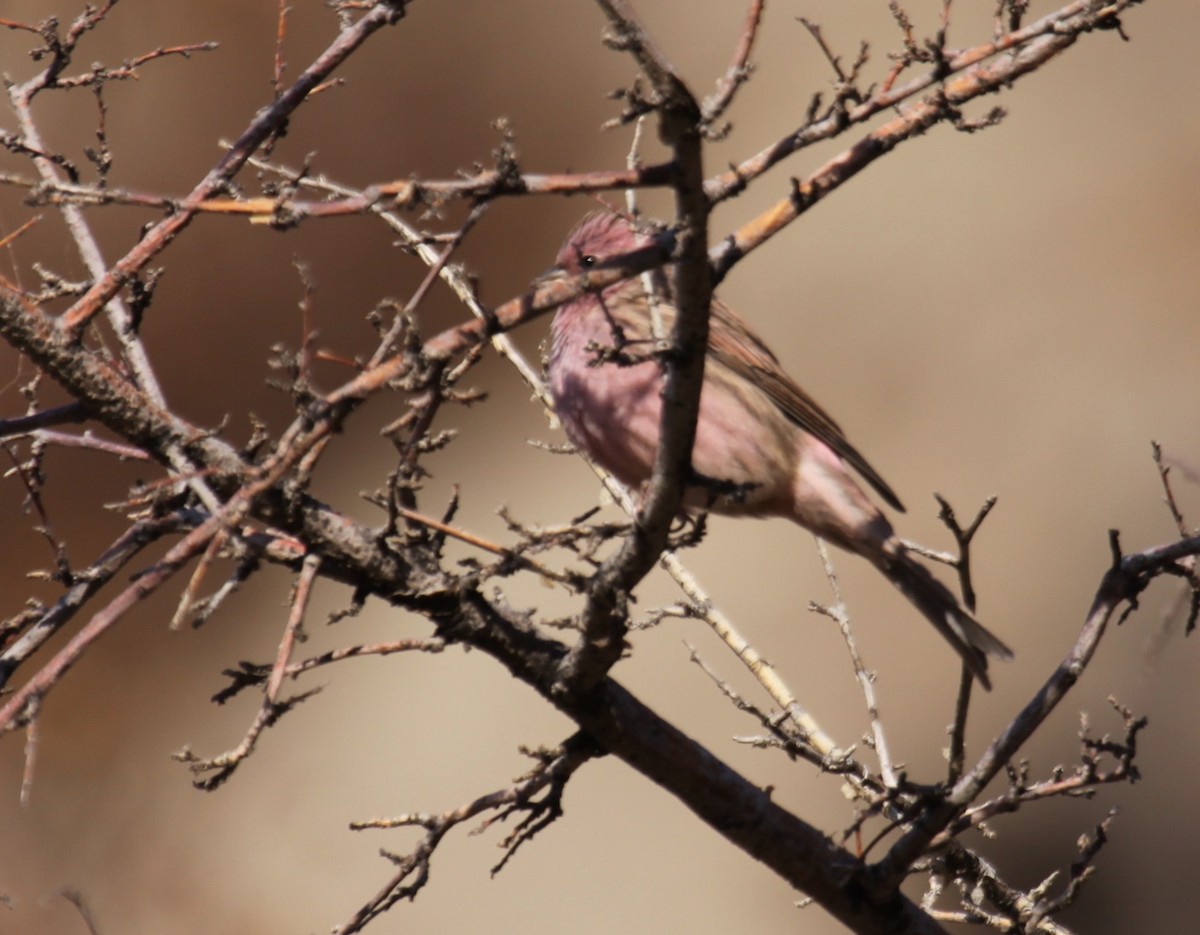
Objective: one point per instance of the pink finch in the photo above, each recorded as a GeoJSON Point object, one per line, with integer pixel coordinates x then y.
{"type": "Point", "coordinates": [763, 447]}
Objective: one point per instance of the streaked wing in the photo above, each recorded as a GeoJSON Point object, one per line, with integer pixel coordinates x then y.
{"type": "Point", "coordinates": [737, 348]}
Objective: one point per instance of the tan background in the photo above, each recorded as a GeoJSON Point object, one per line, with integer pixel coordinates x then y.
{"type": "Point", "coordinates": [1010, 313]}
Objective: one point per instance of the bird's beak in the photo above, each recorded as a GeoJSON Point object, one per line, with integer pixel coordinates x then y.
{"type": "Point", "coordinates": [549, 275]}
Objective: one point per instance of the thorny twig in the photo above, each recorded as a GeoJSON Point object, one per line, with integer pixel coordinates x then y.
{"type": "Point", "coordinates": [1082, 782]}
{"type": "Point", "coordinates": [554, 768]}
{"type": "Point", "coordinates": [1186, 567]}
{"type": "Point", "coordinates": [1121, 585]}
{"type": "Point", "coordinates": [715, 106]}
{"type": "Point", "coordinates": [220, 768]}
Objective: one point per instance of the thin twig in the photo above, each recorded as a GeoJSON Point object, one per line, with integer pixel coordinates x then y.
{"type": "Point", "coordinates": [31, 750]}
{"type": "Point", "coordinates": [866, 679]}
{"type": "Point", "coordinates": [1164, 477]}
{"type": "Point", "coordinates": [220, 768]}
{"type": "Point", "coordinates": [68, 413]}
{"type": "Point", "coordinates": [956, 754]}
{"type": "Point", "coordinates": [1122, 584]}
{"type": "Point", "coordinates": [24, 702]}
{"type": "Point", "coordinates": [264, 123]}
{"type": "Point", "coordinates": [88, 581]}
{"type": "Point", "coordinates": [554, 769]}
{"type": "Point", "coordinates": [479, 542]}
{"type": "Point", "coordinates": [434, 272]}
{"type": "Point", "coordinates": [715, 106]}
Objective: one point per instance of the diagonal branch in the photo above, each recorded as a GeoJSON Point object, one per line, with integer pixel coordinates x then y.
{"type": "Point", "coordinates": [1058, 32]}
{"type": "Point", "coordinates": [353, 553]}
{"type": "Point", "coordinates": [718, 103]}
{"type": "Point", "coordinates": [549, 776]}
{"type": "Point", "coordinates": [1122, 583]}
{"type": "Point", "coordinates": [1071, 21]}
{"type": "Point", "coordinates": [86, 583]}
{"type": "Point", "coordinates": [266, 122]}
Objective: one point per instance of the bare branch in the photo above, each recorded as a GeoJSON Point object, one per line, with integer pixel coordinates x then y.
{"type": "Point", "coordinates": [220, 768]}
{"type": "Point", "coordinates": [718, 103]}
{"type": "Point", "coordinates": [1122, 584]}
{"type": "Point", "coordinates": [45, 622]}
{"type": "Point", "coordinates": [554, 769]}
{"type": "Point", "coordinates": [866, 680]}
{"type": "Point", "coordinates": [605, 616]}
{"type": "Point", "coordinates": [115, 276]}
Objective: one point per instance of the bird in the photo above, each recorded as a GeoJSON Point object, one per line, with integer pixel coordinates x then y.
{"type": "Point", "coordinates": [763, 446]}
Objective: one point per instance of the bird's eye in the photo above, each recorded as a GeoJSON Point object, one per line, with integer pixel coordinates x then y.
{"type": "Point", "coordinates": [587, 261]}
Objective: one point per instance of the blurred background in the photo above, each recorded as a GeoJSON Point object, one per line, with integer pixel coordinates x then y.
{"type": "Point", "coordinates": [1012, 312]}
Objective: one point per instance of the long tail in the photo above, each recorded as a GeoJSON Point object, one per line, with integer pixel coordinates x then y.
{"type": "Point", "coordinates": [970, 639]}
